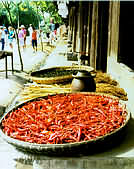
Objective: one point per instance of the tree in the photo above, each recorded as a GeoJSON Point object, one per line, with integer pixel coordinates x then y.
{"type": "Point", "coordinates": [3, 16]}
{"type": "Point", "coordinates": [19, 12]}
{"type": "Point", "coordinates": [7, 6]}
{"type": "Point", "coordinates": [48, 7]}
{"type": "Point", "coordinates": [27, 12]}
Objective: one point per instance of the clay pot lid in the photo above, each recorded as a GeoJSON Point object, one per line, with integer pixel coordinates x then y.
{"type": "Point", "coordinates": [82, 74]}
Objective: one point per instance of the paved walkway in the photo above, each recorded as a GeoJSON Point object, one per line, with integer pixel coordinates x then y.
{"type": "Point", "coordinates": [58, 56]}
{"type": "Point", "coordinates": [10, 87]}
{"type": "Point", "coordinates": [29, 58]}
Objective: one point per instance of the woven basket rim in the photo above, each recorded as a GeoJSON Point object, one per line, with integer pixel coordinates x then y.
{"type": "Point", "coordinates": [59, 78]}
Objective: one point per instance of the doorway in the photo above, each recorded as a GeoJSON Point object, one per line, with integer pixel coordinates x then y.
{"type": "Point", "coordinates": [126, 34]}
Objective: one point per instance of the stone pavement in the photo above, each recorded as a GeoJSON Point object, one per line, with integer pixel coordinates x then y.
{"type": "Point", "coordinates": [10, 87]}
{"type": "Point", "coordinates": [58, 57]}
{"type": "Point", "coordinates": [29, 58]}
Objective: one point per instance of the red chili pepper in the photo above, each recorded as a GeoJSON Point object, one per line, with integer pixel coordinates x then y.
{"type": "Point", "coordinates": [65, 118]}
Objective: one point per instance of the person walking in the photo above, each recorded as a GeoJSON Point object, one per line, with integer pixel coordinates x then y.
{"type": "Point", "coordinates": [21, 38]}
{"type": "Point", "coordinates": [10, 36]}
{"type": "Point", "coordinates": [2, 37]}
{"type": "Point", "coordinates": [25, 33]}
{"type": "Point", "coordinates": [6, 35]}
{"type": "Point", "coordinates": [52, 25]}
{"type": "Point", "coordinates": [30, 30]}
{"type": "Point", "coordinates": [34, 39]}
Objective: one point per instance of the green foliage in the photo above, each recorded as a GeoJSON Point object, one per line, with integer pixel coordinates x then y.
{"type": "Point", "coordinates": [3, 18]}
{"type": "Point", "coordinates": [29, 12]}
{"type": "Point", "coordinates": [48, 7]}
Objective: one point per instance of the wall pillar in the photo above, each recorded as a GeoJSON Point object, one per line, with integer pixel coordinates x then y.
{"type": "Point", "coordinates": [79, 30]}
{"type": "Point", "coordinates": [113, 34]}
{"type": "Point", "coordinates": [113, 29]}
{"type": "Point", "coordinates": [74, 29]}
{"type": "Point", "coordinates": [94, 35]}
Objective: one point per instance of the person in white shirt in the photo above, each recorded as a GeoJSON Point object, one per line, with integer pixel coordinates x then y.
{"type": "Point", "coordinates": [2, 37]}
{"type": "Point", "coordinates": [30, 29]}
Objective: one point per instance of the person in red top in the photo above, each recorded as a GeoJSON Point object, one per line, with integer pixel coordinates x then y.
{"type": "Point", "coordinates": [34, 40]}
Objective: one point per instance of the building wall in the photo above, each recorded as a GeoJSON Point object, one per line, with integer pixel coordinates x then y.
{"type": "Point", "coordinates": [94, 29]}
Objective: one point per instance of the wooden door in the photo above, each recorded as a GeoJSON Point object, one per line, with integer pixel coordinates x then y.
{"type": "Point", "coordinates": [126, 34]}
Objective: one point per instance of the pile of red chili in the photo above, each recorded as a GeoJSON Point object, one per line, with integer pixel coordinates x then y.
{"type": "Point", "coordinates": [65, 118]}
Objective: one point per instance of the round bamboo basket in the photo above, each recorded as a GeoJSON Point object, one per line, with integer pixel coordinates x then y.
{"type": "Point", "coordinates": [69, 149]}
{"type": "Point", "coordinates": [57, 79]}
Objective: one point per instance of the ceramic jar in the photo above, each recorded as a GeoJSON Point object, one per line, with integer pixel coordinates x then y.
{"type": "Point", "coordinates": [83, 82]}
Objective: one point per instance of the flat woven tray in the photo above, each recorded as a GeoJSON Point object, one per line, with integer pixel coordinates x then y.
{"type": "Point", "coordinates": [68, 148]}
{"type": "Point", "coordinates": [57, 79]}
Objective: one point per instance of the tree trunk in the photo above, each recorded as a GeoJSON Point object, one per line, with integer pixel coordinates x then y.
{"type": "Point", "coordinates": [7, 6]}
{"type": "Point", "coordinates": [40, 29]}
